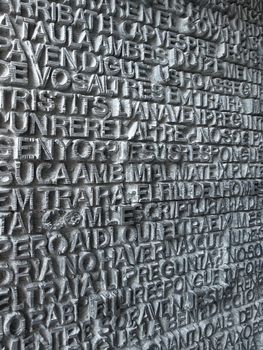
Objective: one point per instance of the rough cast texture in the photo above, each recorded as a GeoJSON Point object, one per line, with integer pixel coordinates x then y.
{"type": "Point", "coordinates": [131, 165]}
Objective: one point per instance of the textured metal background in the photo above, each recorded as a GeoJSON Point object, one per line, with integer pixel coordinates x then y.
{"type": "Point", "coordinates": [131, 174]}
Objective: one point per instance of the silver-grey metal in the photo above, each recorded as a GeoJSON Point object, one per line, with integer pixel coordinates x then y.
{"type": "Point", "coordinates": [131, 163]}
